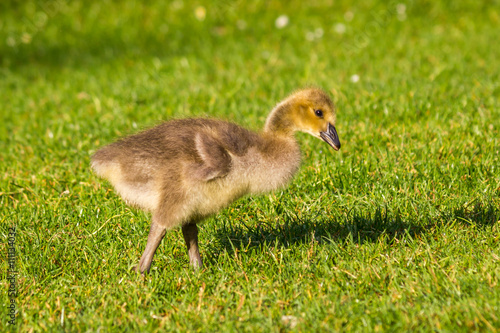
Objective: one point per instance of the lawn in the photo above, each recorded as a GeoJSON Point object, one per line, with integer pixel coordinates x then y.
{"type": "Point", "coordinates": [398, 231]}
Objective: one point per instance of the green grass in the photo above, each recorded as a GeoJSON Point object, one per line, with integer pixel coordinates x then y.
{"type": "Point", "coordinates": [398, 231]}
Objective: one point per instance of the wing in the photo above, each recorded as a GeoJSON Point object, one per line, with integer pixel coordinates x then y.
{"type": "Point", "coordinates": [216, 160]}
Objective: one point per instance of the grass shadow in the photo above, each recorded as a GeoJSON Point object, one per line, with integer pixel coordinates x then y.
{"type": "Point", "coordinates": [356, 227]}
{"type": "Point", "coordinates": [480, 215]}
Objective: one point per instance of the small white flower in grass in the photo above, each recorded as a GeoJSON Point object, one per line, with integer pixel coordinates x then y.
{"type": "Point", "coordinates": [97, 104]}
{"type": "Point", "coordinates": [156, 63]}
{"type": "Point", "coordinates": [184, 62]}
{"type": "Point", "coordinates": [50, 134]}
{"type": "Point", "coordinates": [339, 28]}
{"type": "Point", "coordinates": [290, 321]}
{"type": "Point", "coordinates": [26, 38]}
{"type": "Point", "coordinates": [200, 13]}
{"type": "Point", "coordinates": [318, 33]}
{"type": "Point", "coordinates": [176, 5]}
{"type": "Point", "coordinates": [82, 95]}
{"type": "Point", "coordinates": [348, 16]}
{"type": "Point", "coordinates": [134, 125]}
{"type": "Point", "coordinates": [401, 9]}
{"type": "Point", "coordinates": [281, 22]}
{"type": "Point", "coordinates": [355, 78]}
{"type": "Point", "coordinates": [11, 41]}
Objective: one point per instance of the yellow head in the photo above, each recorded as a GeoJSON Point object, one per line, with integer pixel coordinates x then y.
{"type": "Point", "coordinates": [309, 110]}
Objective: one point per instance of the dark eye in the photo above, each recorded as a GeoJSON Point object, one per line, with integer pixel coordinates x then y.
{"type": "Point", "coordinates": [319, 113]}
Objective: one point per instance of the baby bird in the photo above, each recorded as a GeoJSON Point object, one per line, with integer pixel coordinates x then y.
{"type": "Point", "coordinates": [185, 170]}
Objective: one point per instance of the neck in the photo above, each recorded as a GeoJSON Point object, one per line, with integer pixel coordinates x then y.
{"type": "Point", "coordinates": [278, 122]}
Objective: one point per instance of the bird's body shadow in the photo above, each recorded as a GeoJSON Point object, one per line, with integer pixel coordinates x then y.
{"type": "Point", "coordinates": [356, 228]}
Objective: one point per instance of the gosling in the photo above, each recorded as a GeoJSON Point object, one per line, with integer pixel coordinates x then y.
{"type": "Point", "coordinates": [185, 170]}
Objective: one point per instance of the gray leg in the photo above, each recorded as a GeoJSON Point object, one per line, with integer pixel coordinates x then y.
{"type": "Point", "coordinates": [155, 236]}
{"type": "Point", "coordinates": [190, 233]}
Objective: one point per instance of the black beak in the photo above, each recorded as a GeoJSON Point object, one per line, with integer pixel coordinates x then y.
{"type": "Point", "coordinates": [331, 137]}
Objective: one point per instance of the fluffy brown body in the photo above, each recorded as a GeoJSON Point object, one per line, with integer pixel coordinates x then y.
{"type": "Point", "coordinates": [183, 171]}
